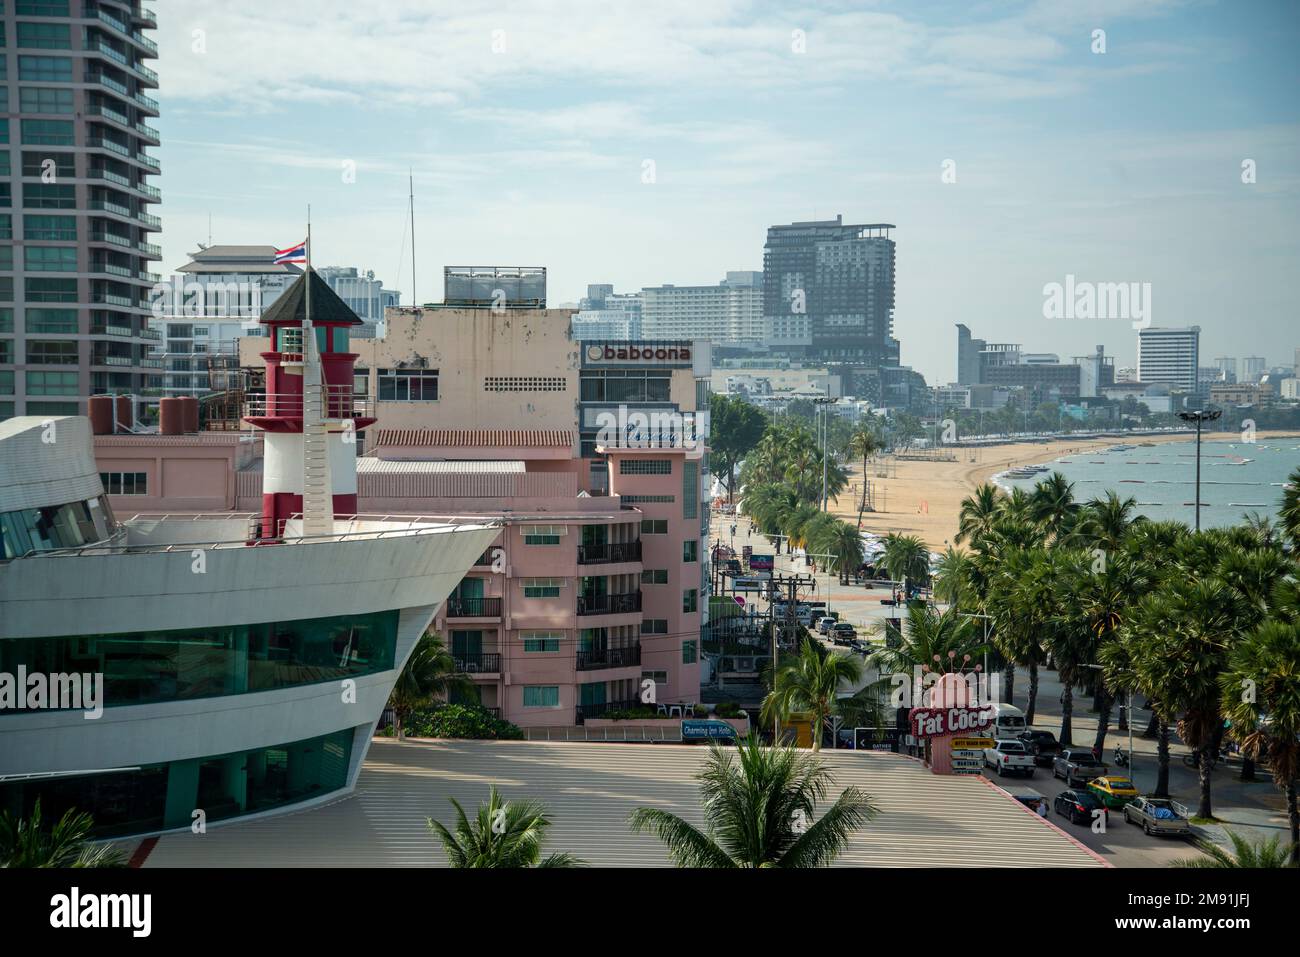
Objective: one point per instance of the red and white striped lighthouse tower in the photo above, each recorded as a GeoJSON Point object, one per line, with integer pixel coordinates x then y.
{"type": "Point", "coordinates": [309, 413]}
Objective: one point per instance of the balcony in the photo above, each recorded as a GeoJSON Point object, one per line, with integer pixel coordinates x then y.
{"type": "Point", "coordinates": [609, 553]}
{"type": "Point", "coordinates": [337, 402]}
{"type": "Point", "coordinates": [473, 607]}
{"type": "Point", "coordinates": [623, 656]}
{"type": "Point", "coordinates": [624, 604]}
{"type": "Point", "coordinates": [584, 711]}
{"type": "Point", "coordinates": [474, 664]}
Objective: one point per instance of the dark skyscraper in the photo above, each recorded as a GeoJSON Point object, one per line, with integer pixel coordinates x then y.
{"type": "Point", "coordinates": [828, 291]}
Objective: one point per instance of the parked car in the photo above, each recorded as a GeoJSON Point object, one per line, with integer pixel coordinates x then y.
{"type": "Point", "coordinates": [861, 646]}
{"type": "Point", "coordinates": [1025, 795]}
{"type": "Point", "coordinates": [1043, 745]}
{"type": "Point", "coordinates": [1009, 757]}
{"type": "Point", "coordinates": [825, 624]}
{"type": "Point", "coordinates": [842, 633]}
{"type": "Point", "coordinates": [1158, 816]}
{"type": "Point", "coordinates": [1076, 766]}
{"type": "Point", "coordinates": [1114, 791]}
{"type": "Point", "coordinates": [1079, 805]}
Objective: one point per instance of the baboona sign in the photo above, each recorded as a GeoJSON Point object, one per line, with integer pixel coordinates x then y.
{"type": "Point", "coordinates": [641, 353]}
{"type": "Point", "coordinates": [934, 722]}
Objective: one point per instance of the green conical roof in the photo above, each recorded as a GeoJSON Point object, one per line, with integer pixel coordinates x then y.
{"type": "Point", "coordinates": [326, 306]}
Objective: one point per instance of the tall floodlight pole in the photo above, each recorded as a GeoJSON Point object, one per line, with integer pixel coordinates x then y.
{"type": "Point", "coordinates": [1199, 416]}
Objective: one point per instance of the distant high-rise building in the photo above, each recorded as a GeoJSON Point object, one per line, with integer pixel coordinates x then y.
{"type": "Point", "coordinates": [1252, 367]}
{"type": "Point", "coordinates": [1296, 368]}
{"type": "Point", "coordinates": [828, 291]}
{"type": "Point", "coordinates": [604, 314]}
{"type": "Point", "coordinates": [968, 356]}
{"type": "Point", "coordinates": [73, 294]}
{"type": "Point", "coordinates": [364, 294]}
{"type": "Point", "coordinates": [730, 312]}
{"type": "Point", "coordinates": [1228, 366]}
{"type": "Point", "coordinates": [1169, 356]}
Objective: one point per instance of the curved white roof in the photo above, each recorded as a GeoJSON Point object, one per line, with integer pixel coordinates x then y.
{"type": "Point", "coordinates": [46, 460]}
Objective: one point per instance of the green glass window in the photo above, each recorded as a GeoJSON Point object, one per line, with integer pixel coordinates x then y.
{"type": "Point", "coordinates": [690, 598]}
{"type": "Point", "coordinates": [41, 8]}
{"type": "Point", "coordinates": [57, 228]}
{"type": "Point", "coordinates": [51, 352]}
{"type": "Point", "coordinates": [49, 196]}
{"type": "Point", "coordinates": [44, 99]}
{"type": "Point", "coordinates": [52, 383]}
{"type": "Point", "coordinates": [543, 534]}
{"type": "Point", "coordinates": [654, 576]}
{"type": "Point", "coordinates": [46, 133]}
{"type": "Point", "coordinates": [47, 69]}
{"type": "Point", "coordinates": [144, 667]}
{"type": "Point", "coordinates": [541, 696]}
{"type": "Point", "coordinates": [50, 258]}
{"type": "Point", "coordinates": [7, 258]}
{"type": "Point", "coordinates": [45, 36]}
{"type": "Point", "coordinates": [654, 526]}
{"type": "Point", "coordinates": [688, 652]}
{"type": "Point", "coordinates": [53, 408]}
{"type": "Point", "coordinates": [654, 626]}
{"type": "Point", "coordinates": [538, 642]}
{"type": "Point", "coordinates": [690, 489]}
{"type": "Point", "coordinates": [542, 587]}
{"type": "Point", "coordinates": [6, 288]}
{"type": "Point", "coordinates": [51, 290]}
{"type": "Point", "coordinates": [6, 219]}
{"type": "Point", "coordinates": [690, 550]}
{"type": "Point", "coordinates": [7, 375]}
{"type": "Point", "coordinates": [51, 320]}
{"type": "Point", "coordinates": [7, 319]}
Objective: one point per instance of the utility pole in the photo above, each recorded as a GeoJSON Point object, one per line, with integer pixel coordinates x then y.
{"type": "Point", "coordinates": [791, 584]}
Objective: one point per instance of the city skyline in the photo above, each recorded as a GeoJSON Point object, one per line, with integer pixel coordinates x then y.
{"type": "Point", "coordinates": [1115, 167]}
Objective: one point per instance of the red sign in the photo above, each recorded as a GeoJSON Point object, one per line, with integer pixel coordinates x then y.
{"type": "Point", "coordinates": [934, 722]}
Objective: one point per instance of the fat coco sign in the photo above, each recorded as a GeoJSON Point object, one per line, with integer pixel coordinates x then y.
{"type": "Point", "coordinates": [936, 722]}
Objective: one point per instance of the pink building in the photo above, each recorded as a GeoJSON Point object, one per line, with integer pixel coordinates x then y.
{"type": "Point", "coordinates": [593, 596]}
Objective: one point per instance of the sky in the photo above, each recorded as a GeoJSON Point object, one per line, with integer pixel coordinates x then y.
{"type": "Point", "coordinates": [648, 143]}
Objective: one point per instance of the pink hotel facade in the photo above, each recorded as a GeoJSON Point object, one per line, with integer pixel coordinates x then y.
{"type": "Point", "coordinates": [591, 455]}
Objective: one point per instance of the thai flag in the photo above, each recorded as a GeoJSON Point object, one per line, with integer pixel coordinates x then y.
{"type": "Point", "coordinates": [294, 254]}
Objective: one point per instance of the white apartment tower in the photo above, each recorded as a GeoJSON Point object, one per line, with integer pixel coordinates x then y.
{"type": "Point", "coordinates": [1169, 356]}
{"type": "Point", "coordinates": [730, 312]}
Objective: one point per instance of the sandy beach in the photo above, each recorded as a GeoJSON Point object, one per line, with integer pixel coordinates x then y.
{"type": "Point", "coordinates": [923, 498]}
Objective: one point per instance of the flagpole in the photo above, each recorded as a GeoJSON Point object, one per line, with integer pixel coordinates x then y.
{"type": "Point", "coordinates": [307, 248]}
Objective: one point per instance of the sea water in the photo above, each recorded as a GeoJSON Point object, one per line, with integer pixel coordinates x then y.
{"type": "Point", "coordinates": [1237, 478]}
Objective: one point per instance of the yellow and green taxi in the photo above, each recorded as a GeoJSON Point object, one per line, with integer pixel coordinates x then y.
{"type": "Point", "coordinates": [1113, 791]}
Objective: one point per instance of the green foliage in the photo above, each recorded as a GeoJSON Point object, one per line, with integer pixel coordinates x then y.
{"type": "Point", "coordinates": [503, 834]}
{"type": "Point", "coordinates": [30, 842]}
{"type": "Point", "coordinates": [1253, 854]}
{"type": "Point", "coordinates": [460, 721]}
{"type": "Point", "coordinates": [735, 428]}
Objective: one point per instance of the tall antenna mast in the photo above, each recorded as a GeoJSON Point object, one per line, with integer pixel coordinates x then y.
{"type": "Point", "coordinates": [411, 173]}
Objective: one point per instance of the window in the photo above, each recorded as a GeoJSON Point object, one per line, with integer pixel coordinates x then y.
{"type": "Point", "coordinates": [654, 626]}
{"type": "Point", "coordinates": [7, 289]}
{"type": "Point", "coordinates": [690, 489]}
{"type": "Point", "coordinates": [47, 133]}
{"type": "Point", "coordinates": [49, 196]}
{"type": "Point", "coordinates": [645, 467]}
{"type": "Point", "coordinates": [647, 499]}
{"type": "Point", "coordinates": [6, 219]}
{"type": "Point", "coordinates": [690, 598]}
{"type": "Point", "coordinates": [689, 653]}
{"type": "Point", "coordinates": [52, 408]}
{"type": "Point", "coordinates": [45, 99]}
{"type": "Point", "coordinates": [542, 587]}
{"type": "Point", "coordinates": [6, 375]}
{"type": "Point", "coordinates": [51, 290]}
{"type": "Point", "coordinates": [46, 352]}
{"type": "Point", "coordinates": [59, 228]}
{"type": "Point", "coordinates": [690, 550]}
{"type": "Point", "coordinates": [7, 258]}
{"type": "Point", "coordinates": [658, 677]}
{"type": "Point", "coordinates": [50, 258]}
{"type": "Point", "coordinates": [654, 526]}
{"type": "Point", "coordinates": [51, 321]}
{"type": "Point", "coordinates": [125, 483]}
{"type": "Point", "coordinates": [52, 383]}
{"type": "Point", "coordinates": [541, 696]}
{"type": "Point", "coordinates": [48, 69]}
{"type": "Point", "coordinates": [7, 320]}
{"type": "Point", "coordinates": [654, 576]}
{"type": "Point", "coordinates": [544, 534]}
{"type": "Point", "coordinates": [41, 8]}
{"type": "Point", "coordinates": [45, 36]}
{"type": "Point", "coordinates": [408, 385]}
{"type": "Point", "coordinates": [521, 383]}
{"type": "Point", "coordinates": [541, 642]}
{"type": "Point", "coordinates": [6, 356]}
{"type": "Point", "coordinates": [6, 194]}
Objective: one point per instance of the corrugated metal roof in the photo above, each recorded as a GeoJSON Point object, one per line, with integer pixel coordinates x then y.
{"type": "Point", "coordinates": [476, 438]}
{"type": "Point", "coordinates": [373, 466]}
{"type": "Point", "coordinates": [590, 789]}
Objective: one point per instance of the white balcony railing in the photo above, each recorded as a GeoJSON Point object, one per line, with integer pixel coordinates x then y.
{"type": "Point", "coordinates": [337, 402]}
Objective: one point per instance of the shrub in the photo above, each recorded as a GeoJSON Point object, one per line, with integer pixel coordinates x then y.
{"type": "Point", "coordinates": [460, 721]}
{"type": "Point", "coordinates": [726, 709]}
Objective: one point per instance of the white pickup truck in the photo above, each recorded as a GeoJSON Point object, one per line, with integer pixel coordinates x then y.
{"type": "Point", "coordinates": [1010, 757]}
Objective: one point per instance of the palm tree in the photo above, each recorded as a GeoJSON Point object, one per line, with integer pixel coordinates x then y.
{"type": "Point", "coordinates": [952, 578]}
{"type": "Point", "coordinates": [906, 559]}
{"type": "Point", "coordinates": [1261, 697]}
{"type": "Point", "coordinates": [808, 683]}
{"type": "Point", "coordinates": [1289, 515]}
{"type": "Point", "coordinates": [430, 672]}
{"type": "Point", "coordinates": [1106, 522]}
{"type": "Point", "coordinates": [864, 443]}
{"type": "Point", "coordinates": [843, 542]}
{"type": "Point", "coordinates": [928, 640]}
{"type": "Point", "coordinates": [1259, 854]}
{"type": "Point", "coordinates": [978, 513]}
{"type": "Point", "coordinates": [1053, 507]}
{"type": "Point", "coordinates": [26, 842]}
{"type": "Point", "coordinates": [503, 834]}
{"type": "Point", "coordinates": [759, 809]}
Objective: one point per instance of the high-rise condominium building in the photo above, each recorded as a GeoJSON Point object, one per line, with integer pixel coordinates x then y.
{"type": "Point", "coordinates": [364, 294]}
{"type": "Point", "coordinates": [968, 356]}
{"type": "Point", "coordinates": [828, 291]}
{"type": "Point", "coordinates": [1169, 356]}
{"type": "Point", "coordinates": [75, 194]}
{"type": "Point", "coordinates": [1252, 367]}
{"type": "Point", "coordinates": [730, 312]}
{"type": "Point", "coordinates": [1228, 366]}
{"type": "Point", "coordinates": [605, 314]}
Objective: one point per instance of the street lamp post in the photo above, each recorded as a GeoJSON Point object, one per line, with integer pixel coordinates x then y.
{"type": "Point", "coordinates": [1199, 416]}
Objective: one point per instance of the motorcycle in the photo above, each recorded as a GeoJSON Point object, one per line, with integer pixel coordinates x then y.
{"type": "Point", "coordinates": [1121, 757]}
